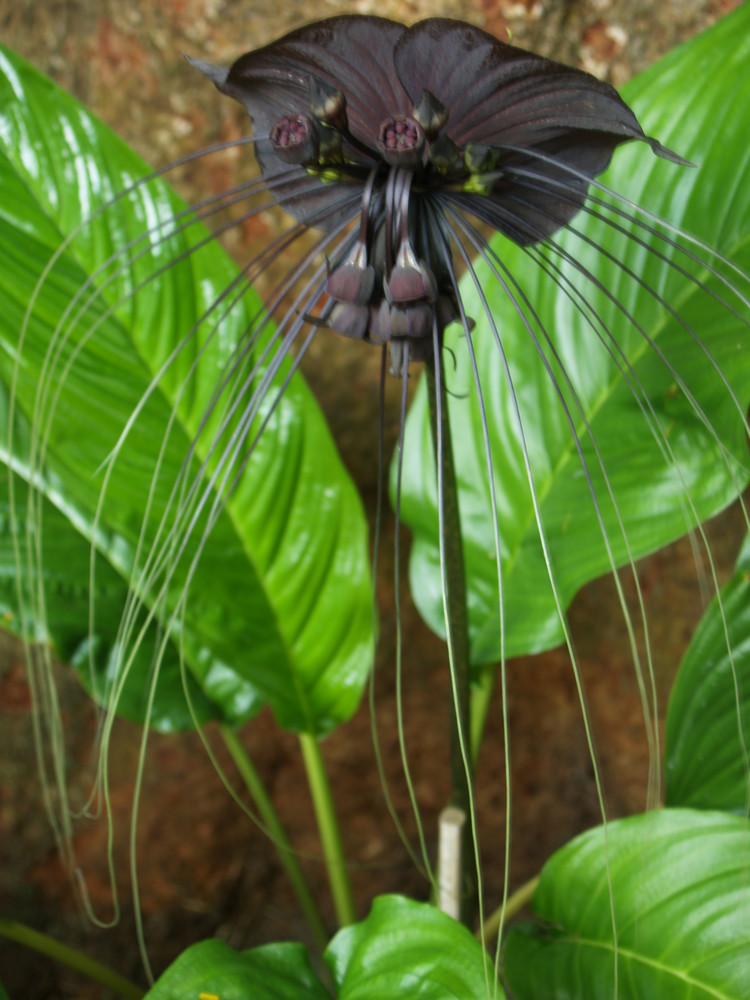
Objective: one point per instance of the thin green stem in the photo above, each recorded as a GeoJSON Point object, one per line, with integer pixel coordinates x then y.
{"type": "Point", "coordinates": [328, 827]}
{"type": "Point", "coordinates": [509, 909]}
{"type": "Point", "coordinates": [59, 952]}
{"type": "Point", "coordinates": [278, 835]}
{"type": "Point", "coordinates": [481, 696]}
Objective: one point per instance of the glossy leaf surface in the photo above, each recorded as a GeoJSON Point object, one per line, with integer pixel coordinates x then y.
{"type": "Point", "coordinates": [279, 607]}
{"type": "Point", "coordinates": [213, 969]}
{"type": "Point", "coordinates": [678, 883]}
{"type": "Point", "coordinates": [409, 949]}
{"type": "Point", "coordinates": [664, 465]}
{"type": "Point", "coordinates": [708, 718]}
{"type": "Point", "coordinates": [402, 948]}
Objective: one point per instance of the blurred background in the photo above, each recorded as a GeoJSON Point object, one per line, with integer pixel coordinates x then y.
{"type": "Point", "coordinates": [204, 868]}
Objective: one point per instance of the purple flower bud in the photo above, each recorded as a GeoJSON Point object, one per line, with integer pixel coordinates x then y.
{"type": "Point", "coordinates": [414, 321]}
{"type": "Point", "coordinates": [352, 279]}
{"type": "Point", "coordinates": [349, 283]}
{"type": "Point", "coordinates": [410, 280]}
{"type": "Point", "coordinates": [328, 104]}
{"type": "Point", "coordinates": [431, 114]}
{"type": "Point", "coordinates": [350, 320]}
{"type": "Point", "coordinates": [409, 284]}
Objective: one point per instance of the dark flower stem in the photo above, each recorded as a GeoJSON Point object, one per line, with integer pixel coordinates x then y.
{"type": "Point", "coordinates": [458, 626]}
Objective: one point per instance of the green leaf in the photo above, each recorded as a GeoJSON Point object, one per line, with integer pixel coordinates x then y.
{"type": "Point", "coordinates": [402, 949]}
{"type": "Point", "coordinates": [708, 718]}
{"type": "Point", "coordinates": [686, 101]}
{"type": "Point", "coordinates": [677, 883]}
{"type": "Point", "coordinates": [279, 607]}
{"type": "Point", "coordinates": [408, 949]}
{"type": "Point", "coordinates": [213, 971]}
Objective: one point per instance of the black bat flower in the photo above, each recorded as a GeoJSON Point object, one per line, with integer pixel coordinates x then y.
{"type": "Point", "coordinates": [400, 144]}
{"type": "Point", "coordinates": [363, 117]}
{"type": "Point", "coordinates": [597, 412]}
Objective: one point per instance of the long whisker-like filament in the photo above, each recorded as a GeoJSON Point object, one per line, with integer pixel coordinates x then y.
{"type": "Point", "coordinates": [584, 403]}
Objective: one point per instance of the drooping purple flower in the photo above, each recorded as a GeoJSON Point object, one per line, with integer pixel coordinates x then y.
{"type": "Point", "coordinates": [361, 117]}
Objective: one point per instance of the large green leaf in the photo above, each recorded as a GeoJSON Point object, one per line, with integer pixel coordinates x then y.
{"type": "Point", "coordinates": [408, 949]}
{"type": "Point", "coordinates": [678, 886]}
{"type": "Point", "coordinates": [402, 949]}
{"type": "Point", "coordinates": [279, 606]}
{"type": "Point", "coordinates": [708, 719]}
{"type": "Point", "coordinates": [213, 969]}
{"type": "Point", "coordinates": [687, 101]}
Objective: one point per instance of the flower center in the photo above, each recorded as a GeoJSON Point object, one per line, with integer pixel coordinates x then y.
{"type": "Point", "coordinates": [394, 284]}
{"type": "Point", "coordinates": [401, 142]}
{"type": "Point", "coordinates": [385, 291]}
{"type": "Point", "coordinates": [294, 139]}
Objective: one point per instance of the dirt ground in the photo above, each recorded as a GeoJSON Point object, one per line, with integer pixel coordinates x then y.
{"type": "Point", "coordinates": [204, 869]}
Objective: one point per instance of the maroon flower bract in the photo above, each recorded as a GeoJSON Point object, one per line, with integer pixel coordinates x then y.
{"type": "Point", "coordinates": [400, 122]}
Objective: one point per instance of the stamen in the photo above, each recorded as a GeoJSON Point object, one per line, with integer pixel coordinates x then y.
{"type": "Point", "coordinates": [401, 141]}
{"type": "Point", "coordinates": [294, 139]}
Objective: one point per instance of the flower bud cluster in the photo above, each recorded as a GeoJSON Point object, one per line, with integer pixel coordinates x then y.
{"type": "Point", "coordinates": [389, 298]}
{"type": "Point", "coordinates": [399, 306]}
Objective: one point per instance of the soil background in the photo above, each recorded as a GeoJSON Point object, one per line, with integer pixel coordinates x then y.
{"type": "Point", "coordinates": [204, 869]}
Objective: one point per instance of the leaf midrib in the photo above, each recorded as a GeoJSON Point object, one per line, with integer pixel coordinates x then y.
{"type": "Point", "coordinates": [618, 951]}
